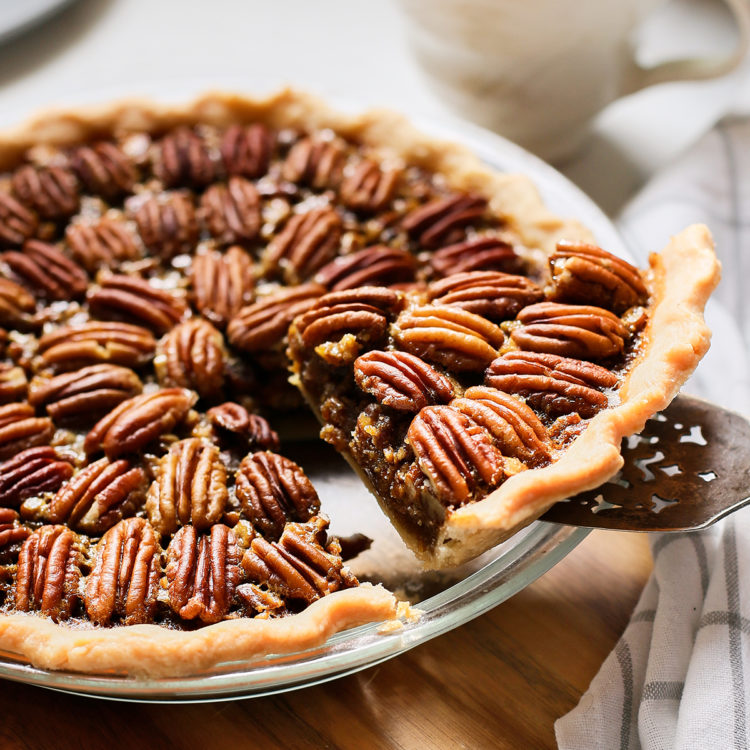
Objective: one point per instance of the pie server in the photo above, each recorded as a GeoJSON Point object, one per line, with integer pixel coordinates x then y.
{"type": "Point", "coordinates": [689, 467]}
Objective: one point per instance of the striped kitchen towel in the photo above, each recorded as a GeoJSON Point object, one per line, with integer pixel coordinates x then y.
{"type": "Point", "coordinates": [680, 675]}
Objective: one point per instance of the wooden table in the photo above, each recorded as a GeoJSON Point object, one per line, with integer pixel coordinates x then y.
{"type": "Point", "coordinates": [497, 682]}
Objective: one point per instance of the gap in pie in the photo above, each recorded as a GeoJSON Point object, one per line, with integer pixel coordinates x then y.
{"type": "Point", "coordinates": [164, 270]}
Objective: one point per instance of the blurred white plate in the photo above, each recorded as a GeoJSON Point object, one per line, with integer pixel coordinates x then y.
{"type": "Point", "coordinates": [18, 15]}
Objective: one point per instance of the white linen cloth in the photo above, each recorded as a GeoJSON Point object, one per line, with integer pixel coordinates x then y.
{"type": "Point", "coordinates": [680, 675]}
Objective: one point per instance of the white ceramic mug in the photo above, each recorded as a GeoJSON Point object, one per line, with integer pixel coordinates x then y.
{"type": "Point", "coordinates": [537, 71]}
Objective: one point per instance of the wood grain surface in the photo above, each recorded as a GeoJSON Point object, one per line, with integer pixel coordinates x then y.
{"type": "Point", "coordinates": [497, 682]}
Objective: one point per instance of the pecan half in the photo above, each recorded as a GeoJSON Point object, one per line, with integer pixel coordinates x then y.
{"type": "Point", "coordinates": [13, 384]}
{"type": "Point", "coordinates": [84, 395]}
{"type": "Point", "coordinates": [17, 223]}
{"type": "Point", "coordinates": [304, 245]}
{"type": "Point", "coordinates": [192, 355]}
{"type": "Point", "coordinates": [586, 274]}
{"type": "Point", "coordinates": [44, 270]}
{"type": "Point", "coordinates": [222, 283]}
{"type": "Point", "coordinates": [368, 188]}
{"type": "Point", "coordinates": [21, 429]}
{"type": "Point", "coordinates": [71, 347]}
{"type": "Point", "coordinates": [262, 602]}
{"type": "Point", "coordinates": [552, 385]}
{"type": "Point", "coordinates": [235, 422]}
{"type": "Point", "coordinates": [184, 160]}
{"type": "Point", "coordinates": [17, 306]}
{"type": "Point", "coordinates": [301, 566]}
{"type": "Point", "coordinates": [203, 572]}
{"type": "Point", "coordinates": [191, 487]}
{"type": "Point", "coordinates": [273, 490]}
{"type": "Point", "coordinates": [247, 149]}
{"type": "Point", "coordinates": [105, 244]}
{"type": "Point", "coordinates": [578, 331]}
{"type": "Point", "coordinates": [263, 325]}
{"type": "Point", "coordinates": [373, 266]}
{"type": "Point", "coordinates": [450, 336]}
{"type": "Point", "coordinates": [444, 219]}
{"type": "Point", "coordinates": [140, 420]}
{"type": "Point", "coordinates": [455, 453]}
{"type": "Point", "coordinates": [493, 295]}
{"type": "Point", "coordinates": [48, 573]}
{"type": "Point", "coordinates": [168, 224]}
{"type": "Point", "coordinates": [362, 312]}
{"type": "Point", "coordinates": [11, 532]}
{"type": "Point", "coordinates": [104, 169]}
{"type": "Point", "coordinates": [401, 381]}
{"type": "Point", "coordinates": [125, 580]}
{"type": "Point", "coordinates": [51, 191]}
{"type": "Point", "coordinates": [100, 495]}
{"type": "Point", "coordinates": [30, 473]}
{"type": "Point", "coordinates": [515, 427]}
{"type": "Point", "coordinates": [133, 299]}
{"type": "Point", "coordinates": [478, 254]}
{"type": "Point", "coordinates": [232, 211]}
{"type": "Point", "coordinates": [315, 162]}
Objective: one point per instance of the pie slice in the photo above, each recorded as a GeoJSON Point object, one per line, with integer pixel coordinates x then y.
{"type": "Point", "coordinates": [474, 356]}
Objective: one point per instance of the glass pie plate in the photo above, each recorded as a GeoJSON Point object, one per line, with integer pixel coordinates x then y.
{"type": "Point", "coordinates": [446, 599]}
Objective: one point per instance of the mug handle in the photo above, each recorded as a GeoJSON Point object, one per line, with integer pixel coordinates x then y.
{"type": "Point", "coordinates": [638, 77]}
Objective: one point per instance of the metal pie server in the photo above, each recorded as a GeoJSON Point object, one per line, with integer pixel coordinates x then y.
{"type": "Point", "coordinates": [687, 469]}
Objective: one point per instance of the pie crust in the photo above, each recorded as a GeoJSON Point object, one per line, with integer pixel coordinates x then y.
{"type": "Point", "coordinates": [680, 281]}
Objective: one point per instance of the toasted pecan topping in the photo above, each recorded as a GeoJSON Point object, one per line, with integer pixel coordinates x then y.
{"type": "Point", "coordinates": [450, 336]}
{"type": "Point", "coordinates": [31, 472]}
{"type": "Point", "coordinates": [304, 245]}
{"type": "Point", "coordinates": [301, 566]}
{"type": "Point", "coordinates": [234, 421]}
{"type": "Point", "coordinates": [84, 395]}
{"type": "Point", "coordinates": [192, 355]}
{"type": "Point", "coordinates": [247, 149]}
{"type": "Point", "coordinates": [578, 331]}
{"type": "Point", "coordinates": [444, 220]}
{"type": "Point", "coordinates": [45, 271]}
{"type": "Point", "coordinates": [100, 495]}
{"type": "Point", "coordinates": [48, 573]}
{"type": "Point", "coordinates": [493, 295]}
{"type": "Point", "coordinates": [553, 385]}
{"type": "Point", "coordinates": [274, 490]}
{"type": "Point", "coordinates": [478, 254]}
{"type": "Point", "coordinates": [203, 572]}
{"type": "Point", "coordinates": [368, 188]}
{"type": "Point", "coordinates": [401, 381]}
{"type": "Point", "coordinates": [105, 244]}
{"type": "Point", "coordinates": [586, 274]}
{"type": "Point", "coordinates": [17, 223]}
{"type": "Point", "coordinates": [137, 422]}
{"type": "Point", "coordinates": [11, 532]}
{"type": "Point", "coordinates": [455, 453]}
{"type": "Point", "coordinates": [191, 487]}
{"type": "Point", "coordinates": [315, 162]}
{"type": "Point", "coordinates": [222, 284]}
{"type": "Point", "coordinates": [51, 191]}
{"type": "Point", "coordinates": [515, 427]}
{"type": "Point", "coordinates": [232, 211]}
{"type": "Point", "coordinates": [71, 347]}
{"type": "Point", "coordinates": [168, 224]}
{"type": "Point", "coordinates": [373, 266]}
{"type": "Point", "coordinates": [13, 384]}
{"type": "Point", "coordinates": [21, 429]}
{"type": "Point", "coordinates": [104, 169]}
{"type": "Point", "coordinates": [17, 305]}
{"type": "Point", "coordinates": [184, 160]}
{"type": "Point", "coordinates": [263, 325]}
{"type": "Point", "coordinates": [134, 299]}
{"type": "Point", "coordinates": [362, 312]}
{"type": "Point", "coordinates": [125, 580]}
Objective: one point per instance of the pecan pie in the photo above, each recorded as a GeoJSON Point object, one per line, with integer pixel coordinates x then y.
{"type": "Point", "coordinates": [162, 270]}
